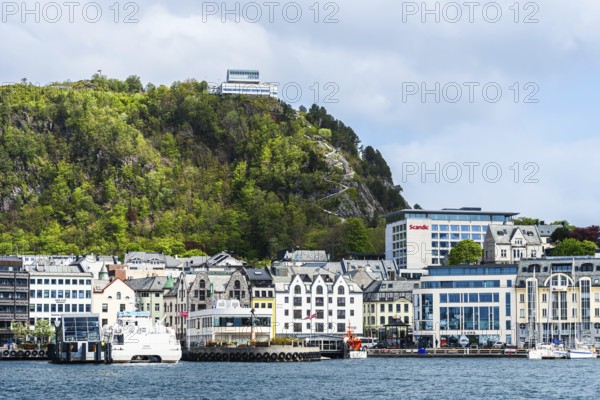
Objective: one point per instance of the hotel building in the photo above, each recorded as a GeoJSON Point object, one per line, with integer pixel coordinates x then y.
{"type": "Point", "coordinates": [416, 239]}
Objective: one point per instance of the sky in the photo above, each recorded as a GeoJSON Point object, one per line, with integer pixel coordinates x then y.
{"type": "Point", "coordinates": [473, 104]}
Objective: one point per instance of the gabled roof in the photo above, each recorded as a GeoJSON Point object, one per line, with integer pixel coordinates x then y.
{"type": "Point", "coordinates": [547, 230]}
{"type": "Point", "coordinates": [150, 284]}
{"type": "Point", "coordinates": [144, 256]}
{"type": "Point", "coordinates": [503, 234]}
{"type": "Point", "coordinates": [105, 284]}
{"type": "Point", "coordinates": [258, 275]}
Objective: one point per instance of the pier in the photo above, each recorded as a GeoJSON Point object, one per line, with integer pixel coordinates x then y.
{"type": "Point", "coordinates": [274, 353]}
{"type": "Point", "coordinates": [447, 353]}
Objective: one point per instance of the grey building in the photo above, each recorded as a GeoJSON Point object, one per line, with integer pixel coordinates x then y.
{"type": "Point", "coordinates": [14, 295]}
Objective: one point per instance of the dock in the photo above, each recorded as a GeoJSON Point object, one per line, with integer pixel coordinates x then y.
{"type": "Point", "coordinates": [446, 353]}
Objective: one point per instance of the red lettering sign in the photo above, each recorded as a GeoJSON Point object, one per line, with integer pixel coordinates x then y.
{"type": "Point", "coordinates": [419, 227]}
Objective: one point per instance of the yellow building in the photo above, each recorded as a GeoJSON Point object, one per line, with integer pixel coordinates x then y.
{"type": "Point", "coordinates": [558, 298]}
{"type": "Point", "coordinates": [388, 311]}
{"type": "Point", "coordinates": [262, 293]}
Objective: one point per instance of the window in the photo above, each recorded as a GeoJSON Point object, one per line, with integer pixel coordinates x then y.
{"type": "Point", "coordinates": [341, 314]}
{"type": "Point", "coordinates": [297, 314]}
{"type": "Point", "coordinates": [319, 289]}
{"type": "Point", "coordinates": [522, 298]}
{"type": "Point", "coordinates": [341, 327]}
{"type": "Point", "coordinates": [381, 320]}
{"type": "Point", "coordinates": [382, 307]}
{"type": "Point", "coordinates": [286, 300]}
{"type": "Point", "coordinates": [390, 308]}
{"type": "Point", "coordinates": [118, 295]}
{"type": "Point", "coordinates": [522, 312]}
{"type": "Point", "coordinates": [340, 290]}
{"type": "Point", "coordinates": [286, 313]}
{"type": "Point", "coordinates": [352, 313]}
{"type": "Point", "coordinates": [104, 307]}
{"type": "Point", "coordinates": [297, 289]}
{"type": "Point", "coordinates": [122, 307]}
{"type": "Point", "coordinates": [157, 307]}
{"type": "Point", "coordinates": [503, 253]}
{"type": "Point", "coordinates": [52, 307]}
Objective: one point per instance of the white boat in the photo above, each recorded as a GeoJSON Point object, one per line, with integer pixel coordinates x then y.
{"type": "Point", "coordinates": [135, 339]}
{"type": "Point", "coordinates": [545, 351]}
{"type": "Point", "coordinates": [581, 351]}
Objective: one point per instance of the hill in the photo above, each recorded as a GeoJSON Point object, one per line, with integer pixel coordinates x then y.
{"type": "Point", "coordinates": [107, 166]}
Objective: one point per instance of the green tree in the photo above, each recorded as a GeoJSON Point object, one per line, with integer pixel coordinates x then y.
{"type": "Point", "coordinates": [465, 252]}
{"type": "Point", "coordinates": [526, 221]}
{"type": "Point", "coordinates": [19, 329]}
{"type": "Point", "coordinates": [574, 247]}
{"type": "Point", "coordinates": [560, 234]}
{"type": "Point", "coordinates": [43, 330]}
{"type": "Point", "coordinates": [356, 236]}
{"type": "Point", "coordinates": [564, 223]}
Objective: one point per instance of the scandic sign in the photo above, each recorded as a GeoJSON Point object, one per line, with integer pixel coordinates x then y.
{"type": "Point", "coordinates": [419, 227]}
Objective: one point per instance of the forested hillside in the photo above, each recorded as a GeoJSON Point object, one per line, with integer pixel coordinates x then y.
{"type": "Point", "coordinates": [107, 166]}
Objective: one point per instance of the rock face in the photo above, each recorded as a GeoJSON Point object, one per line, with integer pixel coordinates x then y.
{"type": "Point", "coordinates": [352, 198]}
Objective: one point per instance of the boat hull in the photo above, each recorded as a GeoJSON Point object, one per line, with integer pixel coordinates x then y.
{"type": "Point", "coordinates": [357, 354]}
{"type": "Point", "coordinates": [581, 354]}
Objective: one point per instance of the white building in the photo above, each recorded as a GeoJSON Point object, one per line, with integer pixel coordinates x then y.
{"type": "Point", "coordinates": [416, 239]}
{"type": "Point", "coordinates": [58, 289]}
{"type": "Point", "coordinates": [111, 297]}
{"type": "Point", "coordinates": [474, 301]}
{"type": "Point", "coordinates": [245, 83]}
{"type": "Point", "coordinates": [509, 244]}
{"type": "Point", "coordinates": [228, 322]}
{"type": "Point", "coordinates": [312, 300]}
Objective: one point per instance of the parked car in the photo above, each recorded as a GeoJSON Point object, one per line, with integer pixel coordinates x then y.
{"type": "Point", "coordinates": [511, 350]}
{"type": "Point", "coordinates": [499, 345]}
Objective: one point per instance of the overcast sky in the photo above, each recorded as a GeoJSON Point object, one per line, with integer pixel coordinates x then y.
{"type": "Point", "coordinates": [489, 104]}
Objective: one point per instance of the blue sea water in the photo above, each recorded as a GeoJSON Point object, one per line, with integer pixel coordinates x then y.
{"type": "Point", "coordinates": [399, 378]}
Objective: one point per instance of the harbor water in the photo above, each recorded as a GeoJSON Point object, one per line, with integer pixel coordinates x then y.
{"type": "Point", "coordinates": [399, 378]}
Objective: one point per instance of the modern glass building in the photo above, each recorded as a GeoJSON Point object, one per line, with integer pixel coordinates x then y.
{"type": "Point", "coordinates": [416, 239]}
{"type": "Point", "coordinates": [471, 301]}
{"type": "Point", "coordinates": [245, 82]}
